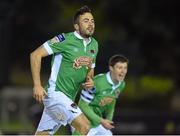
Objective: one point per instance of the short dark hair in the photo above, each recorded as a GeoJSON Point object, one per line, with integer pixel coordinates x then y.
{"type": "Point", "coordinates": [117, 58]}
{"type": "Point", "coordinates": [81, 11]}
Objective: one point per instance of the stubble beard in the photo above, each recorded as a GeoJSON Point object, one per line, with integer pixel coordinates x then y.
{"type": "Point", "coordinates": [86, 35]}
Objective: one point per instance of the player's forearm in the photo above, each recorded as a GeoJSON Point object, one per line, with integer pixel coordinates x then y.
{"type": "Point", "coordinates": [91, 73]}
{"type": "Point", "coordinates": [35, 61]}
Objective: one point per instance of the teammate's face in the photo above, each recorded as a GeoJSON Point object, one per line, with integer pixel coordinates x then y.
{"type": "Point", "coordinates": [86, 25]}
{"type": "Point", "coordinates": [118, 71]}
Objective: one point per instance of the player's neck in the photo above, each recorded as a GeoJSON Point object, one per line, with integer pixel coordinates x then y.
{"type": "Point", "coordinates": [113, 79]}
{"type": "Point", "coordinates": [86, 38]}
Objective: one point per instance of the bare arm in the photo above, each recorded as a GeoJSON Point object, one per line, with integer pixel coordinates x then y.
{"type": "Point", "coordinates": [89, 82]}
{"type": "Point", "coordinates": [35, 61]}
{"type": "Point", "coordinates": [91, 73]}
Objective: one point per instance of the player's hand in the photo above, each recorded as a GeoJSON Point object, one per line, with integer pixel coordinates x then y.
{"type": "Point", "coordinates": [89, 84]}
{"type": "Point", "coordinates": [39, 93]}
{"type": "Point", "coordinates": [108, 124]}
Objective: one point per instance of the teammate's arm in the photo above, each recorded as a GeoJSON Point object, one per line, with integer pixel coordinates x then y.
{"type": "Point", "coordinates": [89, 112]}
{"type": "Point", "coordinates": [35, 62]}
{"type": "Point", "coordinates": [91, 73]}
{"type": "Point", "coordinates": [89, 84]}
{"type": "Point", "coordinates": [110, 110]}
{"type": "Point", "coordinates": [92, 116]}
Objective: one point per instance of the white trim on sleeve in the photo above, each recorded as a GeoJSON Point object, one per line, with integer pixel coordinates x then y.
{"type": "Point", "coordinates": [48, 49]}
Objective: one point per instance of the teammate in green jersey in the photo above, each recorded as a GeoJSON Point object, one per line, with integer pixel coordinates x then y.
{"type": "Point", "coordinates": [98, 103]}
{"type": "Point", "coordinates": [74, 56]}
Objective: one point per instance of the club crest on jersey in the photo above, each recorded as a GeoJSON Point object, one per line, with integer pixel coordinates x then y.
{"type": "Point", "coordinates": [82, 61]}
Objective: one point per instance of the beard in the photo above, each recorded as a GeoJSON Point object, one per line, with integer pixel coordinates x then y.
{"type": "Point", "coordinates": [86, 34]}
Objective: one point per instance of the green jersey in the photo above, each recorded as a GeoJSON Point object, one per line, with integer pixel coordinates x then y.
{"type": "Point", "coordinates": [100, 102]}
{"type": "Point", "coordinates": [72, 58]}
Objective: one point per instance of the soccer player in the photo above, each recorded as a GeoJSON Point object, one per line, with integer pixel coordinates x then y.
{"type": "Point", "coordinates": [98, 103]}
{"type": "Point", "coordinates": [73, 61]}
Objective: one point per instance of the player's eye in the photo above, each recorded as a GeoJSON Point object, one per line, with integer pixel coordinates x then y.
{"type": "Point", "coordinates": [85, 20]}
{"type": "Point", "coordinates": [92, 21]}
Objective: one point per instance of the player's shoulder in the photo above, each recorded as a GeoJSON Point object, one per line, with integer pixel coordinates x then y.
{"type": "Point", "coordinates": [68, 34]}
{"type": "Point", "coordinates": [60, 37]}
{"type": "Point", "coordinates": [94, 40]}
{"type": "Point", "coordinates": [64, 36]}
{"type": "Point", "coordinates": [123, 84]}
{"type": "Point", "coordinates": [99, 76]}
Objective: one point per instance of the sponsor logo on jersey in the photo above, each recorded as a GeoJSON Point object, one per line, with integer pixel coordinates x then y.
{"type": "Point", "coordinates": [82, 61]}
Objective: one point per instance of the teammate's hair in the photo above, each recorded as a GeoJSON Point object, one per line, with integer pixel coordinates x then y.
{"type": "Point", "coordinates": [117, 58]}
{"type": "Point", "coordinates": [81, 11]}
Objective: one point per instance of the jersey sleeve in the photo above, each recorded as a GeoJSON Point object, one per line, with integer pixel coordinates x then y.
{"type": "Point", "coordinates": [85, 99]}
{"type": "Point", "coordinates": [110, 110]}
{"type": "Point", "coordinates": [55, 45]}
{"type": "Point", "coordinates": [86, 109]}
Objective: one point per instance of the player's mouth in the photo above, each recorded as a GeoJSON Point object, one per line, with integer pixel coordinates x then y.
{"type": "Point", "coordinates": [121, 76]}
{"type": "Point", "coordinates": [90, 29]}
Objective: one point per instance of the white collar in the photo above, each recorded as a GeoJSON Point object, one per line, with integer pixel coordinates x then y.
{"type": "Point", "coordinates": [88, 40]}
{"type": "Point", "coordinates": [111, 82]}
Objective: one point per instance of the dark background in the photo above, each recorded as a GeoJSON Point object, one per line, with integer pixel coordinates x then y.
{"type": "Point", "coordinates": [145, 31]}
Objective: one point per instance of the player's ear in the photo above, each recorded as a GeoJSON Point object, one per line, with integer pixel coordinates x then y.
{"type": "Point", "coordinates": [76, 26]}
{"type": "Point", "coordinates": [110, 68]}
